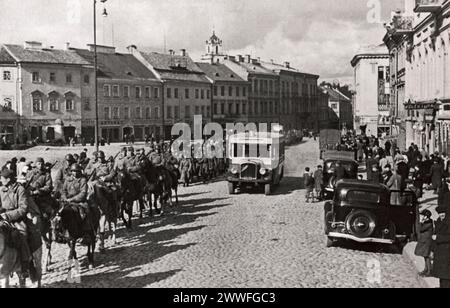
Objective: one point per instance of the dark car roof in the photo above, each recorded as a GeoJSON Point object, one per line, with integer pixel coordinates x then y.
{"type": "Point", "coordinates": [362, 185]}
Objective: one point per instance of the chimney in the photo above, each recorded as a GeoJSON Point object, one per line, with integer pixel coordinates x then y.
{"type": "Point", "coordinates": [183, 52]}
{"type": "Point", "coordinates": [102, 49]}
{"type": "Point", "coordinates": [287, 64]}
{"type": "Point", "coordinates": [171, 52]}
{"type": "Point", "coordinates": [132, 49]}
{"type": "Point", "coordinates": [249, 58]}
{"type": "Point", "coordinates": [271, 61]}
{"type": "Point", "coordinates": [67, 46]}
{"type": "Point", "coordinates": [240, 58]}
{"type": "Point", "coordinates": [259, 59]}
{"type": "Point", "coordinates": [232, 58]}
{"type": "Point", "coordinates": [255, 61]}
{"type": "Point", "coordinates": [32, 45]}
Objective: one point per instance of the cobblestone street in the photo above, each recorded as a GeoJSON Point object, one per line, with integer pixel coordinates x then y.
{"type": "Point", "coordinates": [248, 240]}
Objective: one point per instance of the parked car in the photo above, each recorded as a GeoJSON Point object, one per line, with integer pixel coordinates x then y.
{"type": "Point", "coordinates": [364, 212]}
{"type": "Point", "coordinates": [346, 159]}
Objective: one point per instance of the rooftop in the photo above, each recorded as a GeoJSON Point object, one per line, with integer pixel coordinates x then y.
{"type": "Point", "coordinates": [44, 55]}
{"type": "Point", "coordinates": [219, 72]}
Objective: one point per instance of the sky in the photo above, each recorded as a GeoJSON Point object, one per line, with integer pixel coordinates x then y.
{"type": "Point", "coordinates": [315, 36]}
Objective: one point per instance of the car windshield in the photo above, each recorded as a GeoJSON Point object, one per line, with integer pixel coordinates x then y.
{"type": "Point", "coordinates": [348, 165]}
{"type": "Point", "coordinates": [363, 196]}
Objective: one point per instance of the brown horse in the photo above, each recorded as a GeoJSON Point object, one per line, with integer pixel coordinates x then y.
{"type": "Point", "coordinates": [130, 190]}
{"type": "Point", "coordinates": [68, 229]}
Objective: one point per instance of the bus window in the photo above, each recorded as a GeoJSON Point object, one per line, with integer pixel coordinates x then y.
{"type": "Point", "coordinates": [264, 150]}
{"type": "Point", "coordinates": [235, 150]}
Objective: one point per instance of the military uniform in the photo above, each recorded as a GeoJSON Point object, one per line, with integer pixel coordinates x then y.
{"type": "Point", "coordinates": [103, 178]}
{"type": "Point", "coordinates": [40, 187]}
{"type": "Point", "coordinates": [61, 175]}
{"type": "Point", "coordinates": [185, 169]}
{"type": "Point", "coordinates": [75, 192]}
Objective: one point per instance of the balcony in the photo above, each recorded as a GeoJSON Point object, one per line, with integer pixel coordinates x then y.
{"type": "Point", "coordinates": [402, 24]}
{"type": "Point", "coordinates": [428, 6]}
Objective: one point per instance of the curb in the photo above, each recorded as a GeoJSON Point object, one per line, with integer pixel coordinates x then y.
{"type": "Point", "coordinates": [419, 264]}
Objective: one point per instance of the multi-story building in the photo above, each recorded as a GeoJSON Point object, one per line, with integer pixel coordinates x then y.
{"type": "Point", "coordinates": [186, 89]}
{"type": "Point", "coordinates": [214, 52]}
{"type": "Point", "coordinates": [230, 94]}
{"type": "Point", "coordinates": [129, 97]}
{"type": "Point", "coordinates": [42, 86]}
{"type": "Point", "coordinates": [418, 40]}
{"type": "Point", "coordinates": [372, 91]}
{"type": "Point", "coordinates": [339, 108]}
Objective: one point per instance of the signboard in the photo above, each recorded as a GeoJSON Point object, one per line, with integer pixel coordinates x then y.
{"type": "Point", "coordinates": [421, 106]}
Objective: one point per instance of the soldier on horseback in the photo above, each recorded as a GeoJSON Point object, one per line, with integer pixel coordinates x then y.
{"type": "Point", "coordinates": [62, 174]}
{"type": "Point", "coordinates": [40, 188]}
{"type": "Point", "coordinates": [14, 208]}
{"type": "Point", "coordinates": [103, 175]}
{"type": "Point", "coordinates": [74, 193]}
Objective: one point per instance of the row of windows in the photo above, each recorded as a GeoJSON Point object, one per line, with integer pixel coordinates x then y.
{"type": "Point", "coordinates": [36, 77]}
{"type": "Point", "coordinates": [230, 91]}
{"type": "Point", "coordinates": [114, 91]}
{"type": "Point", "coordinates": [7, 76]}
{"type": "Point", "coordinates": [114, 113]}
{"type": "Point", "coordinates": [52, 103]}
{"type": "Point", "coordinates": [256, 108]}
{"type": "Point", "coordinates": [198, 93]}
{"type": "Point", "coordinates": [174, 112]}
{"type": "Point", "coordinates": [265, 86]}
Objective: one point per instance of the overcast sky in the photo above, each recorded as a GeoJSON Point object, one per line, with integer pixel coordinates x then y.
{"type": "Point", "coordinates": [316, 36]}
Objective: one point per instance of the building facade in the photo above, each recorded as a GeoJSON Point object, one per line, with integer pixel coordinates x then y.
{"type": "Point", "coordinates": [418, 40]}
{"type": "Point", "coordinates": [43, 86]}
{"type": "Point", "coordinates": [340, 109]}
{"type": "Point", "coordinates": [372, 91]}
{"type": "Point", "coordinates": [129, 97]}
{"type": "Point", "coordinates": [230, 94]}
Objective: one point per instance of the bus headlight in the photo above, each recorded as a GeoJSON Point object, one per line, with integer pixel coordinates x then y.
{"type": "Point", "coordinates": [263, 171]}
{"type": "Point", "coordinates": [234, 170]}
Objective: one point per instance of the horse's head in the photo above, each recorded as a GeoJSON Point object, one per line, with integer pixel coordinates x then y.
{"type": "Point", "coordinates": [62, 224]}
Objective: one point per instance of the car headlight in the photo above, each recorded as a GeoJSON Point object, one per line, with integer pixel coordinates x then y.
{"type": "Point", "coordinates": [234, 170]}
{"type": "Point", "coordinates": [263, 171]}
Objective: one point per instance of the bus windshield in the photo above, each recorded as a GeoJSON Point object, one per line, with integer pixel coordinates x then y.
{"type": "Point", "coordinates": [252, 150]}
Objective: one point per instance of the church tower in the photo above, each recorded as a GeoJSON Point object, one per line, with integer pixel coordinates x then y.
{"type": "Point", "coordinates": [214, 53]}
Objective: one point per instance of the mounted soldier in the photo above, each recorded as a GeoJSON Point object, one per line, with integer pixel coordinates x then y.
{"type": "Point", "coordinates": [14, 211]}
{"type": "Point", "coordinates": [62, 174]}
{"type": "Point", "coordinates": [40, 186]}
{"type": "Point", "coordinates": [119, 163]}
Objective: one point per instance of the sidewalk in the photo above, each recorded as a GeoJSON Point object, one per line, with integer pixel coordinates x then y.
{"type": "Point", "coordinates": [429, 201]}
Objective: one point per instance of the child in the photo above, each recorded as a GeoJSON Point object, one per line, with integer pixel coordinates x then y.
{"type": "Point", "coordinates": [425, 241]}
{"type": "Point", "coordinates": [309, 184]}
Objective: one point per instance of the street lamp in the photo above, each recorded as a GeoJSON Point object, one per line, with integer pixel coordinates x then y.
{"type": "Point", "coordinates": [96, 130]}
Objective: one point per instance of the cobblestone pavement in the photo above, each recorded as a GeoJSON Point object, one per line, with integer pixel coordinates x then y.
{"type": "Point", "coordinates": [248, 240]}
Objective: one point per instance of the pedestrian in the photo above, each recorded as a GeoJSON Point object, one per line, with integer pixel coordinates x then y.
{"type": "Point", "coordinates": [444, 195]}
{"type": "Point", "coordinates": [441, 264]}
{"type": "Point", "coordinates": [376, 175]}
{"type": "Point", "coordinates": [436, 175]}
{"type": "Point", "coordinates": [425, 241]}
{"type": "Point", "coordinates": [309, 184]}
{"type": "Point", "coordinates": [370, 162]}
{"type": "Point", "coordinates": [397, 185]}
{"type": "Point", "coordinates": [318, 182]}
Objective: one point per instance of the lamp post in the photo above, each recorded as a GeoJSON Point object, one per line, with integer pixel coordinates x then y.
{"type": "Point", "coordinates": [96, 130]}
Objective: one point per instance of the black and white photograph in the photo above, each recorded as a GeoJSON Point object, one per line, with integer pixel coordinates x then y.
{"type": "Point", "coordinates": [229, 145]}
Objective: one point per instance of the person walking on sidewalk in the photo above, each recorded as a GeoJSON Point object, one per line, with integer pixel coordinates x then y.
{"type": "Point", "coordinates": [309, 184]}
{"type": "Point", "coordinates": [425, 241]}
{"type": "Point", "coordinates": [441, 265]}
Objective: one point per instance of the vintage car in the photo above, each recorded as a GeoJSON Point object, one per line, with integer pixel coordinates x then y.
{"type": "Point", "coordinates": [364, 212]}
{"type": "Point", "coordinates": [256, 159]}
{"type": "Point", "coordinates": [346, 159]}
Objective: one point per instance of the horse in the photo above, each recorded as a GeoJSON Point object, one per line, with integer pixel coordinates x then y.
{"type": "Point", "coordinates": [131, 190]}
{"type": "Point", "coordinates": [160, 186]}
{"type": "Point", "coordinates": [108, 207]}
{"type": "Point", "coordinates": [174, 175]}
{"type": "Point", "coordinates": [68, 229]}
{"type": "Point", "coordinates": [10, 260]}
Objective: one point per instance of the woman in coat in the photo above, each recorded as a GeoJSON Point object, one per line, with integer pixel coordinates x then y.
{"type": "Point", "coordinates": [425, 241]}
{"type": "Point", "coordinates": [441, 265]}
{"type": "Point", "coordinates": [436, 175]}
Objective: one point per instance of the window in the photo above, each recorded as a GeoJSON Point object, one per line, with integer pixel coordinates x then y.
{"type": "Point", "coordinates": [35, 77]}
{"type": "Point", "coordinates": [148, 113]}
{"type": "Point", "coordinates": [202, 94]}
{"type": "Point", "coordinates": [216, 108]}
{"type": "Point", "coordinates": [176, 112]}
{"type": "Point", "coordinates": [126, 113]}
{"type": "Point", "coordinates": [238, 108]}
{"type": "Point", "coordinates": [106, 90]}
{"type": "Point", "coordinates": [256, 107]}
{"type": "Point", "coordinates": [230, 108]}
{"type": "Point", "coordinates": [250, 109]}
{"type": "Point", "coordinates": [244, 108]}
{"type": "Point", "coordinates": [186, 93]}
{"type": "Point", "coordinates": [222, 108]}
{"type": "Point", "coordinates": [156, 92]}
{"type": "Point", "coordinates": [37, 101]}
{"type": "Point", "coordinates": [238, 91]}
{"type": "Point", "coordinates": [203, 111]}
{"type": "Point", "coordinates": [87, 79]}
{"type": "Point", "coordinates": [147, 92]}
{"type": "Point", "coordinates": [52, 77]}
{"type": "Point", "coordinates": [87, 105]}
{"type": "Point", "coordinates": [126, 91]}
{"type": "Point", "coordinates": [6, 75]}
{"type": "Point", "coordinates": [197, 110]}
{"type": "Point", "coordinates": [222, 91]}
{"type": "Point", "coordinates": [115, 91]}
{"type": "Point", "coordinates": [230, 91]}
{"type": "Point", "coordinates": [138, 113]}
{"type": "Point", "coordinates": [106, 113]}
{"type": "Point", "coordinates": [157, 113]}
{"type": "Point", "coordinates": [244, 91]}
{"type": "Point", "coordinates": [271, 107]}
{"type": "Point", "coordinates": [187, 111]}
{"type": "Point", "coordinates": [53, 103]}
{"type": "Point", "coordinates": [70, 106]}
{"type": "Point", "coordinates": [169, 112]}
{"type": "Point", "coordinates": [208, 94]}
{"type": "Point", "coordinates": [169, 93]}
{"type": "Point", "coordinates": [115, 113]}
{"type": "Point", "coordinates": [175, 92]}
{"type": "Point", "coordinates": [447, 107]}
{"type": "Point", "coordinates": [138, 92]}
{"type": "Point", "coordinates": [334, 105]}
{"type": "Point", "coordinates": [68, 78]}
{"type": "Point", "coordinates": [197, 93]}
{"type": "Point", "coordinates": [7, 104]}
{"type": "Point", "coordinates": [208, 111]}
{"type": "Point", "coordinates": [215, 90]}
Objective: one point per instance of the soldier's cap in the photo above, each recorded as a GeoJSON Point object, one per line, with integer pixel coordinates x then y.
{"type": "Point", "coordinates": [40, 160]}
{"type": "Point", "coordinates": [75, 167]}
{"type": "Point", "coordinates": [101, 154]}
{"type": "Point", "coordinates": [131, 149]}
{"type": "Point", "coordinates": [7, 173]}
{"type": "Point", "coordinates": [69, 158]}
